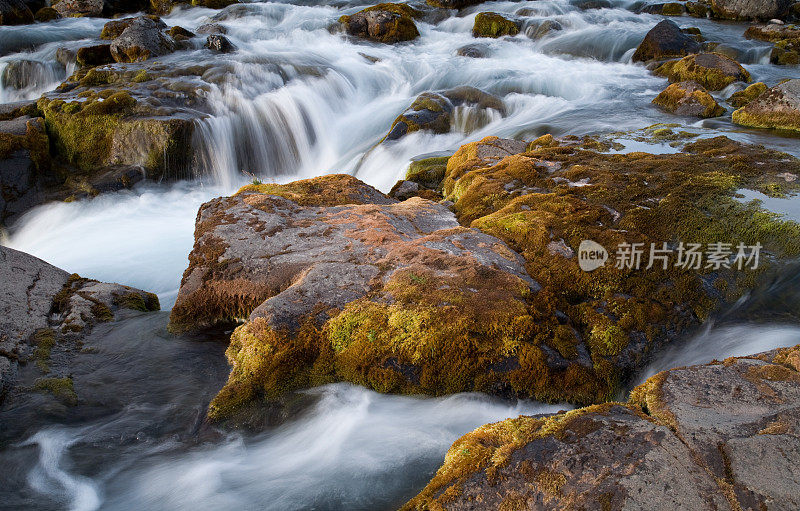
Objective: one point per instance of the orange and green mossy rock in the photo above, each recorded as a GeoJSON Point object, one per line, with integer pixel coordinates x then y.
{"type": "Point", "coordinates": [688, 98]}
{"type": "Point", "coordinates": [685, 439]}
{"type": "Point", "coordinates": [711, 70]}
{"type": "Point", "coordinates": [30, 136]}
{"type": "Point", "coordinates": [384, 23]}
{"type": "Point", "coordinates": [777, 108]}
{"type": "Point", "coordinates": [491, 24]}
{"type": "Point", "coordinates": [428, 172]}
{"type": "Point", "coordinates": [544, 202]}
{"type": "Point", "coordinates": [743, 97]}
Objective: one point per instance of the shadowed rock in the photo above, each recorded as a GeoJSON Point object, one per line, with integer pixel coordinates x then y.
{"type": "Point", "coordinates": [665, 40]}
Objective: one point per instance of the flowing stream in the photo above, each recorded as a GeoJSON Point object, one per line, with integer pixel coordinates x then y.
{"type": "Point", "coordinates": [300, 100]}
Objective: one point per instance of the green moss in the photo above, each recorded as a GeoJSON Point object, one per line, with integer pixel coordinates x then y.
{"type": "Point", "coordinates": [45, 339]}
{"type": "Point", "coordinates": [144, 302]}
{"type": "Point", "coordinates": [330, 190]}
{"type": "Point", "coordinates": [61, 388]}
{"type": "Point", "coordinates": [142, 76]}
{"type": "Point", "coordinates": [428, 172]}
{"type": "Point", "coordinates": [490, 24]}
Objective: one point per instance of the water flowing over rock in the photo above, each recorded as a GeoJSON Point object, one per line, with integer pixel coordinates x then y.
{"type": "Point", "coordinates": [665, 40]}
{"type": "Point", "coordinates": [711, 70]}
{"type": "Point", "coordinates": [717, 436]}
{"type": "Point", "coordinates": [432, 111]}
{"type": "Point", "coordinates": [45, 311]}
{"type": "Point", "coordinates": [688, 98]}
{"type": "Point", "coordinates": [778, 107]}
{"type": "Point", "coordinates": [786, 51]}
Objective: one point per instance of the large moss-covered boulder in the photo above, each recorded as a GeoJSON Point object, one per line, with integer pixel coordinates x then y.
{"type": "Point", "coordinates": [688, 98]}
{"type": "Point", "coordinates": [142, 39]}
{"type": "Point", "coordinates": [397, 296]}
{"type": "Point", "coordinates": [491, 24]}
{"type": "Point", "coordinates": [384, 23]}
{"type": "Point", "coordinates": [778, 107]}
{"type": "Point", "coordinates": [338, 282]}
{"type": "Point", "coordinates": [711, 70]}
{"type": "Point", "coordinates": [15, 12]}
{"type": "Point", "coordinates": [750, 9]}
{"type": "Point", "coordinates": [719, 436]}
{"type": "Point", "coordinates": [665, 40]}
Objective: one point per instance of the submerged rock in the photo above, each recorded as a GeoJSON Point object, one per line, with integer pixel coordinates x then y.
{"type": "Point", "coordinates": [711, 70]}
{"type": "Point", "coordinates": [46, 310]}
{"type": "Point", "coordinates": [543, 29]}
{"type": "Point", "coordinates": [688, 98]}
{"type": "Point", "coordinates": [491, 24]}
{"type": "Point", "coordinates": [778, 107]}
{"type": "Point", "coordinates": [717, 436]}
{"type": "Point", "coordinates": [338, 282]}
{"type": "Point", "coordinates": [474, 51]}
{"type": "Point", "coordinates": [665, 40]}
{"type": "Point", "coordinates": [384, 23]}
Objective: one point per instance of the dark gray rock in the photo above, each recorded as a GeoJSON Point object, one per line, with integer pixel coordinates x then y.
{"type": "Point", "coordinates": [665, 40]}
{"type": "Point", "coordinates": [143, 39]}
{"type": "Point", "coordinates": [15, 12]}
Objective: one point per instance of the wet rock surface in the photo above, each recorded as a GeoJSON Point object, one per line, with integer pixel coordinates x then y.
{"type": "Point", "coordinates": [713, 71]}
{"type": "Point", "coordinates": [45, 313]}
{"type": "Point", "coordinates": [717, 436]}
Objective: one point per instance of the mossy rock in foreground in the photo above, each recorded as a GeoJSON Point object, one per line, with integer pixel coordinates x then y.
{"type": "Point", "coordinates": [386, 300]}
{"type": "Point", "coordinates": [688, 98]}
{"type": "Point", "coordinates": [778, 108]}
{"type": "Point", "coordinates": [718, 436]}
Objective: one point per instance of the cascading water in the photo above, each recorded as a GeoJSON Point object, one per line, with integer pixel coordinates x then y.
{"type": "Point", "coordinates": [299, 100]}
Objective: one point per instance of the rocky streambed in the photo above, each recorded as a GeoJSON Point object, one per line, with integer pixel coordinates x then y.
{"type": "Point", "coordinates": [559, 239]}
